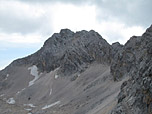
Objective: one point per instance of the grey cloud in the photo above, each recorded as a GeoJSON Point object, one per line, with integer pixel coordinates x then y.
{"type": "Point", "coordinates": [13, 24]}
{"type": "Point", "coordinates": [135, 12]}
{"type": "Point", "coordinates": [10, 22]}
{"type": "Point", "coordinates": [51, 1]}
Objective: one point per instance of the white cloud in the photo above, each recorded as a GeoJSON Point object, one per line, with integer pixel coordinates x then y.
{"type": "Point", "coordinates": [127, 32]}
{"type": "Point", "coordinates": [79, 18]}
{"type": "Point", "coordinates": [19, 38]}
{"type": "Point", "coordinates": [26, 24]}
{"type": "Point", "coordinates": [114, 31]}
{"type": "Point", "coordinates": [20, 17]}
{"type": "Point", "coordinates": [73, 17]}
{"type": "Point", "coordinates": [55, 16]}
{"type": "Point", "coordinates": [21, 9]}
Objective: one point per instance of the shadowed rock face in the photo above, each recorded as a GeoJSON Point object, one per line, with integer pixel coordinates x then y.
{"type": "Point", "coordinates": [135, 60]}
{"type": "Point", "coordinates": [80, 73]}
{"type": "Point", "coordinates": [128, 58]}
{"type": "Point", "coordinates": [66, 75]}
{"type": "Point", "coordinates": [70, 51]}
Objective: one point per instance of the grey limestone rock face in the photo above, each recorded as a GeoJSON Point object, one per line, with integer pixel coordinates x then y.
{"type": "Point", "coordinates": [136, 93]}
{"type": "Point", "coordinates": [70, 51]}
{"type": "Point", "coordinates": [126, 58]}
{"type": "Point", "coordinates": [73, 52]}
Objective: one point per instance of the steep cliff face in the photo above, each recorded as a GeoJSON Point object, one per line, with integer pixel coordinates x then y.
{"type": "Point", "coordinates": [135, 60]}
{"type": "Point", "coordinates": [70, 51]}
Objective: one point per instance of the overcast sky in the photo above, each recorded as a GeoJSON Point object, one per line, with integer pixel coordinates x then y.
{"type": "Point", "coordinates": [26, 24]}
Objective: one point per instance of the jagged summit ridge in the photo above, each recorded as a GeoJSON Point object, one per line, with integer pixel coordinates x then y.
{"type": "Point", "coordinates": [135, 61]}
{"type": "Point", "coordinates": [80, 73]}
{"type": "Point", "coordinates": [70, 51]}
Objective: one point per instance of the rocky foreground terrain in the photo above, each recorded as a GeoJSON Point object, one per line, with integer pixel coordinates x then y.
{"type": "Point", "coordinates": [81, 73]}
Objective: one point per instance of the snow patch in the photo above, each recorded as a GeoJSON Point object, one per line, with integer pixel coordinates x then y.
{"type": "Point", "coordinates": [56, 76]}
{"type": "Point", "coordinates": [23, 89]}
{"type": "Point", "coordinates": [34, 72]}
{"type": "Point", "coordinates": [28, 109]}
{"type": "Point", "coordinates": [50, 91]}
{"type": "Point", "coordinates": [6, 77]}
{"type": "Point", "coordinates": [55, 71]}
{"type": "Point", "coordinates": [51, 105]}
{"type": "Point", "coordinates": [30, 105]}
{"type": "Point", "coordinates": [11, 101]}
{"type": "Point", "coordinates": [20, 91]}
{"type": "Point", "coordinates": [2, 95]}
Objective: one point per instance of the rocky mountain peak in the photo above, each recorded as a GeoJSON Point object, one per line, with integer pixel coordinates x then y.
{"type": "Point", "coordinates": [149, 29]}
{"type": "Point", "coordinates": [66, 32]}
{"type": "Point", "coordinates": [135, 61]}
{"type": "Point", "coordinates": [75, 50]}
{"type": "Point", "coordinates": [80, 73]}
{"type": "Point", "coordinates": [148, 32]}
{"type": "Point", "coordinates": [70, 51]}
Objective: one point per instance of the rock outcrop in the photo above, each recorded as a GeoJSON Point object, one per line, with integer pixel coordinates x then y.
{"type": "Point", "coordinates": [70, 51]}
{"type": "Point", "coordinates": [64, 76]}
{"type": "Point", "coordinates": [135, 60]}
